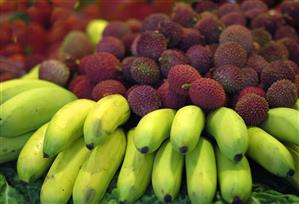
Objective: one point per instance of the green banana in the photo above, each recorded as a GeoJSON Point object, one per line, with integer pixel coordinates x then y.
{"type": "Point", "coordinates": [32, 74]}
{"type": "Point", "coordinates": [11, 88]}
{"type": "Point", "coordinates": [98, 170]}
{"type": "Point", "coordinates": [135, 173]}
{"type": "Point", "coordinates": [58, 185]}
{"type": "Point", "coordinates": [186, 128]}
{"type": "Point", "coordinates": [261, 148]}
{"type": "Point", "coordinates": [153, 129]}
{"type": "Point", "coordinates": [201, 173]}
{"type": "Point", "coordinates": [296, 106]}
{"type": "Point", "coordinates": [66, 126]}
{"type": "Point", "coordinates": [230, 132]}
{"type": "Point", "coordinates": [109, 113]}
{"type": "Point", "coordinates": [167, 172]}
{"type": "Point", "coordinates": [234, 178]}
{"type": "Point", "coordinates": [29, 110]}
{"type": "Point", "coordinates": [294, 150]}
{"type": "Point", "coordinates": [31, 165]}
{"type": "Point", "coordinates": [283, 123]}
{"type": "Point", "coordinates": [10, 147]}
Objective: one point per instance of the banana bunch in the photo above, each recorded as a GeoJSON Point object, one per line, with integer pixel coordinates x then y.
{"type": "Point", "coordinates": [294, 150]}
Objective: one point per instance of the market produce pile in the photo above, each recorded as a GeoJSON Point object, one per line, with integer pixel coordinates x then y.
{"type": "Point", "coordinates": [186, 97]}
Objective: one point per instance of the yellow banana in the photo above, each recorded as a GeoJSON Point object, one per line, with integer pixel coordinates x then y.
{"type": "Point", "coordinates": [98, 170]}
{"type": "Point", "coordinates": [32, 74]}
{"type": "Point", "coordinates": [230, 132]}
{"type": "Point", "coordinates": [283, 123]}
{"type": "Point", "coordinates": [153, 129]}
{"type": "Point", "coordinates": [167, 172]}
{"type": "Point", "coordinates": [29, 110]}
{"type": "Point", "coordinates": [10, 147]}
{"type": "Point", "coordinates": [261, 148]}
{"type": "Point", "coordinates": [66, 126]}
{"type": "Point", "coordinates": [31, 164]}
{"type": "Point", "coordinates": [109, 113]}
{"type": "Point", "coordinates": [186, 128]}
{"type": "Point", "coordinates": [294, 150]}
{"type": "Point", "coordinates": [58, 185]}
{"type": "Point", "coordinates": [135, 173]}
{"type": "Point", "coordinates": [201, 173]}
{"type": "Point", "coordinates": [234, 178]}
{"type": "Point", "coordinates": [296, 106]}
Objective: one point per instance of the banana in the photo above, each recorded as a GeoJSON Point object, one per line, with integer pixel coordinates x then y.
{"type": "Point", "coordinates": [167, 172]}
{"type": "Point", "coordinates": [109, 113]}
{"type": "Point", "coordinates": [98, 170]}
{"type": "Point", "coordinates": [29, 110]}
{"type": "Point", "coordinates": [31, 165]}
{"type": "Point", "coordinates": [283, 123]}
{"type": "Point", "coordinates": [58, 185]}
{"type": "Point", "coordinates": [10, 147]}
{"type": "Point", "coordinates": [11, 88]}
{"type": "Point", "coordinates": [135, 173]}
{"type": "Point", "coordinates": [294, 150]}
{"type": "Point", "coordinates": [153, 129]}
{"type": "Point", "coordinates": [296, 106]}
{"type": "Point", "coordinates": [234, 178]}
{"type": "Point", "coordinates": [261, 148]}
{"type": "Point", "coordinates": [230, 132]}
{"type": "Point", "coordinates": [201, 173]}
{"type": "Point", "coordinates": [66, 126]}
{"type": "Point", "coordinates": [186, 128]}
{"type": "Point", "coordinates": [32, 74]}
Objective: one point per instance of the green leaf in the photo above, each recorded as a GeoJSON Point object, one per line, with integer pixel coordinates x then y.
{"type": "Point", "coordinates": [9, 195]}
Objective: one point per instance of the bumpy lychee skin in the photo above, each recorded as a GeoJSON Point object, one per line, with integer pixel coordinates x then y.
{"type": "Point", "coordinates": [257, 62]}
{"type": "Point", "coordinates": [249, 77]}
{"type": "Point", "coordinates": [293, 49]}
{"type": "Point", "coordinates": [82, 88]}
{"type": "Point", "coordinates": [207, 94]}
{"type": "Point", "coordinates": [184, 14]}
{"type": "Point", "coordinates": [202, 6]}
{"type": "Point", "coordinates": [126, 64]}
{"type": "Point", "coordinates": [116, 29]}
{"type": "Point", "coordinates": [190, 37]}
{"type": "Point", "coordinates": [253, 8]}
{"type": "Point", "coordinates": [238, 34]}
{"type": "Point", "coordinates": [286, 32]}
{"type": "Point", "coordinates": [107, 87]}
{"type": "Point", "coordinates": [230, 77]}
{"type": "Point", "coordinates": [227, 8]}
{"type": "Point", "coordinates": [200, 57]}
{"type": "Point", "coordinates": [267, 21]}
{"type": "Point", "coordinates": [128, 40]}
{"type": "Point", "coordinates": [172, 31]}
{"type": "Point", "coordinates": [101, 66]}
{"type": "Point", "coordinates": [251, 90]}
{"type": "Point", "coordinates": [151, 22]}
{"type": "Point", "coordinates": [274, 51]}
{"type": "Point", "coordinates": [169, 98]}
{"type": "Point", "coordinates": [275, 71]}
{"type": "Point", "coordinates": [261, 36]}
{"type": "Point", "coordinates": [144, 70]}
{"type": "Point", "coordinates": [180, 78]}
{"type": "Point", "coordinates": [143, 99]}
{"type": "Point", "coordinates": [234, 18]}
{"type": "Point", "coordinates": [111, 45]}
{"type": "Point", "coordinates": [170, 58]}
{"type": "Point", "coordinates": [253, 109]}
{"type": "Point", "coordinates": [149, 44]}
{"type": "Point", "coordinates": [54, 71]}
{"type": "Point", "coordinates": [230, 53]}
{"type": "Point", "coordinates": [282, 93]}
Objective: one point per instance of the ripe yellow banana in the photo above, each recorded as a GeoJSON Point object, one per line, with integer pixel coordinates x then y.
{"type": "Point", "coordinates": [98, 170]}
{"type": "Point", "coordinates": [31, 164]}
{"type": "Point", "coordinates": [230, 132]}
{"type": "Point", "coordinates": [58, 185]}
{"type": "Point", "coordinates": [296, 106]}
{"type": "Point", "coordinates": [29, 110]}
{"type": "Point", "coordinates": [167, 172]}
{"type": "Point", "coordinates": [283, 123]}
{"type": "Point", "coordinates": [153, 129]}
{"type": "Point", "coordinates": [294, 150]}
{"type": "Point", "coordinates": [10, 147]}
{"type": "Point", "coordinates": [186, 128]}
{"type": "Point", "coordinates": [261, 149]}
{"type": "Point", "coordinates": [135, 173]}
{"type": "Point", "coordinates": [109, 113]}
{"type": "Point", "coordinates": [234, 178]}
{"type": "Point", "coordinates": [32, 74]}
{"type": "Point", "coordinates": [14, 87]}
{"type": "Point", "coordinates": [66, 126]}
{"type": "Point", "coordinates": [201, 173]}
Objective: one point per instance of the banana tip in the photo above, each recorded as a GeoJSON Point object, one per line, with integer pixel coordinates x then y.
{"type": "Point", "coordinates": [167, 198]}
{"type": "Point", "coordinates": [237, 200]}
{"type": "Point", "coordinates": [90, 146]}
{"type": "Point", "coordinates": [238, 157]}
{"type": "Point", "coordinates": [144, 150]}
{"type": "Point", "coordinates": [45, 155]}
{"type": "Point", "coordinates": [291, 173]}
{"type": "Point", "coordinates": [183, 149]}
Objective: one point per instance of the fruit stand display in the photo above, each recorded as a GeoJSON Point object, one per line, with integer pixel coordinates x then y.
{"type": "Point", "coordinates": [178, 102]}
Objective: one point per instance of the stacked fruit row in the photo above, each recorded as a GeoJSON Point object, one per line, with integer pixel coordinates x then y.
{"type": "Point", "coordinates": [83, 144]}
